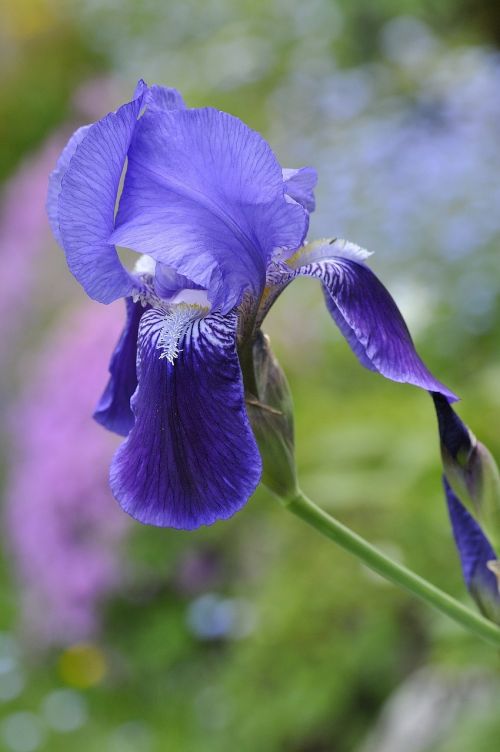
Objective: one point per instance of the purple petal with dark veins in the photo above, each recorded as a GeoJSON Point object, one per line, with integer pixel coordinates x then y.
{"type": "Point", "coordinates": [87, 199]}
{"type": "Point", "coordinates": [204, 195]}
{"type": "Point", "coordinates": [113, 410]}
{"type": "Point", "coordinates": [191, 457]}
{"type": "Point", "coordinates": [366, 314]}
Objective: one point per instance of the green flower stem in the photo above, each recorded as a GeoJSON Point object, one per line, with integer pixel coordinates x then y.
{"type": "Point", "coordinates": [302, 507]}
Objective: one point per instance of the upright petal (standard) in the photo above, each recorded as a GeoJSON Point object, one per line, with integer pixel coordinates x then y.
{"type": "Point", "coordinates": [300, 184]}
{"type": "Point", "coordinates": [86, 206]}
{"type": "Point", "coordinates": [204, 195]}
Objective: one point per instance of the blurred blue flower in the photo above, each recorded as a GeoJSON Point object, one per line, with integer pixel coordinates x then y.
{"type": "Point", "coordinates": [221, 228]}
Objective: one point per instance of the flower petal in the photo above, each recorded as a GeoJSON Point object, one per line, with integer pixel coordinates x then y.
{"type": "Point", "coordinates": [168, 282]}
{"type": "Point", "coordinates": [366, 314]}
{"type": "Point", "coordinates": [113, 410]}
{"type": "Point", "coordinates": [87, 199]}
{"type": "Point", "coordinates": [191, 457]}
{"type": "Point", "coordinates": [475, 552]}
{"type": "Point", "coordinates": [300, 184]}
{"type": "Point", "coordinates": [56, 177]}
{"type": "Point", "coordinates": [163, 98]}
{"type": "Point", "coordinates": [456, 439]}
{"type": "Point", "coordinates": [204, 194]}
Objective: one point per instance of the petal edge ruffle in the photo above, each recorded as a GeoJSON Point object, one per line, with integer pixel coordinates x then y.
{"type": "Point", "coordinates": [87, 199]}
{"type": "Point", "coordinates": [300, 185]}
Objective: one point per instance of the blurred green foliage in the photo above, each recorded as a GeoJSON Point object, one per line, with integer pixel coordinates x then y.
{"type": "Point", "coordinates": [45, 60]}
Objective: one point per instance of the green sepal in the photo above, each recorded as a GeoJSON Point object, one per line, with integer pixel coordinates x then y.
{"type": "Point", "coordinates": [271, 414]}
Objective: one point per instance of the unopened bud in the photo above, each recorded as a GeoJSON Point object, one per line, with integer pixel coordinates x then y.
{"type": "Point", "coordinates": [480, 565]}
{"type": "Point", "coordinates": [494, 566]}
{"type": "Point", "coordinates": [486, 481]}
{"type": "Point", "coordinates": [271, 415]}
{"type": "Point", "coordinates": [469, 468]}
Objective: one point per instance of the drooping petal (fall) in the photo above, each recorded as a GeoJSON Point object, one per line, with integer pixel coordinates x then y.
{"type": "Point", "coordinates": [191, 457]}
{"type": "Point", "coordinates": [365, 313]}
{"type": "Point", "coordinates": [113, 410]}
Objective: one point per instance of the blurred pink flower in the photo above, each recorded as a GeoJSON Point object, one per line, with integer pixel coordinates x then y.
{"type": "Point", "coordinates": [24, 233]}
{"type": "Point", "coordinates": [98, 95]}
{"type": "Point", "coordinates": [27, 269]}
{"type": "Point", "coordinates": [63, 525]}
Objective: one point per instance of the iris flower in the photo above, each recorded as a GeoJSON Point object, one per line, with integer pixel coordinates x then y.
{"type": "Point", "coordinates": [220, 230]}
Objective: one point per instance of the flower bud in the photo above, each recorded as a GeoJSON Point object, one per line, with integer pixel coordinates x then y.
{"type": "Point", "coordinates": [271, 414]}
{"type": "Point", "coordinates": [469, 468]}
{"type": "Point", "coordinates": [494, 566]}
{"type": "Point", "coordinates": [480, 564]}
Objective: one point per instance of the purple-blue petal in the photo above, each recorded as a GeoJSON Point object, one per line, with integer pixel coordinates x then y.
{"type": "Point", "coordinates": [56, 177]}
{"type": "Point", "coordinates": [86, 206]}
{"type": "Point", "coordinates": [454, 434]}
{"type": "Point", "coordinates": [168, 282]}
{"type": "Point", "coordinates": [191, 457]}
{"type": "Point", "coordinates": [204, 195]}
{"type": "Point", "coordinates": [300, 185]}
{"type": "Point", "coordinates": [370, 320]}
{"type": "Point", "coordinates": [475, 552]}
{"type": "Point", "coordinates": [113, 410]}
{"type": "Point", "coordinates": [163, 98]}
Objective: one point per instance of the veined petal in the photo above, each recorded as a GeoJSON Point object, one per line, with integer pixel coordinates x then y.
{"type": "Point", "coordinates": [87, 199]}
{"type": "Point", "coordinates": [300, 184]}
{"type": "Point", "coordinates": [476, 555]}
{"type": "Point", "coordinates": [365, 313]}
{"type": "Point", "coordinates": [113, 410]}
{"type": "Point", "coordinates": [56, 177]}
{"type": "Point", "coordinates": [204, 195]}
{"type": "Point", "coordinates": [191, 457]}
{"type": "Point", "coordinates": [163, 98]}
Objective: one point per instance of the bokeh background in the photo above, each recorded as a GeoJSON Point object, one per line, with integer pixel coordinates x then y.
{"type": "Point", "coordinates": [254, 634]}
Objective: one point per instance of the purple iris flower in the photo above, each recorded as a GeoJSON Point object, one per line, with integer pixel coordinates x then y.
{"type": "Point", "coordinates": [221, 229]}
